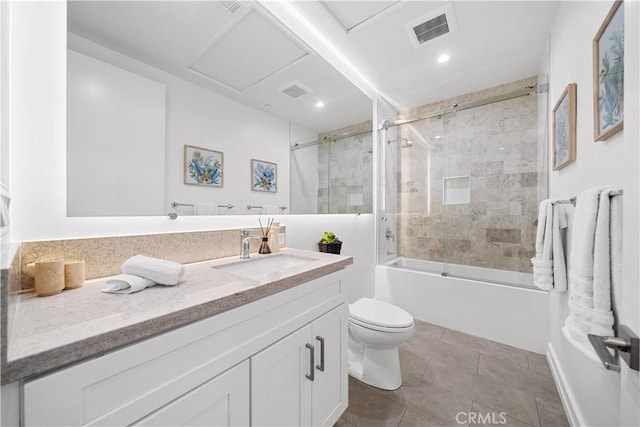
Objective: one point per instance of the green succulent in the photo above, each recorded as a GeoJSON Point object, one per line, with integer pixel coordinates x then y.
{"type": "Point", "coordinates": [329, 237]}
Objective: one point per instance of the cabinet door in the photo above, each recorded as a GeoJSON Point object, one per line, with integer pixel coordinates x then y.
{"type": "Point", "coordinates": [221, 401]}
{"type": "Point", "coordinates": [330, 388]}
{"type": "Point", "coordinates": [280, 390]}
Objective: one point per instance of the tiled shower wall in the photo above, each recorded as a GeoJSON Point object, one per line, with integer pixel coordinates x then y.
{"type": "Point", "coordinates": [345, 170]}
{"type": "Point", "coordinates": [489, 155]}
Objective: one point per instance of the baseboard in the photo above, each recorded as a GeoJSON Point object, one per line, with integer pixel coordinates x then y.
{"type": "Point", "coordinates": [566, 396]}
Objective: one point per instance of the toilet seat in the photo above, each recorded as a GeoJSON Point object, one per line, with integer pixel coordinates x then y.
{"type": "Point", "coordinates": [379, 315]}
{"type": "Point", "coordinates": [379, 328]}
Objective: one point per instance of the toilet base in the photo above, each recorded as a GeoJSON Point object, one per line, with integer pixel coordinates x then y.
{"type": "Point", "coordinates": [377, 367]}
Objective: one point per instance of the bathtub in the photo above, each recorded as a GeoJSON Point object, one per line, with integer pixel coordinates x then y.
{"type": "Point", "coordinates": [490, 275]}
{"type": "Point", "coordinates": [494, 304]}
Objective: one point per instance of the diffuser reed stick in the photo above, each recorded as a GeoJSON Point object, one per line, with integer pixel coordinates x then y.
{"type": "Point", "coordinates": [264, 247]}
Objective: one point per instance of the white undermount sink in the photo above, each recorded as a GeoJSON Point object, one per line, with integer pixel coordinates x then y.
{"type": "Point", "coordinates": [257, 266]}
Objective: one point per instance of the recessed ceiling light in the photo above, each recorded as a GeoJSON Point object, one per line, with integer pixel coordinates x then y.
{"type": "Point", "coordinates": [319, 104]}
{"type": "Point", "coordinates": [268, 105]}
{"type": "Point", "coordinates": [443, 58]}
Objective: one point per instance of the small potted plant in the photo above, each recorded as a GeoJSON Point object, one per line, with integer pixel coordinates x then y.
{"type": "Point", "coordinates": [329, 243]}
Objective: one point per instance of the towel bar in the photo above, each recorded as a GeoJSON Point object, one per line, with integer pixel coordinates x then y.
{"type": "Point", "coordinates": [574, 198]}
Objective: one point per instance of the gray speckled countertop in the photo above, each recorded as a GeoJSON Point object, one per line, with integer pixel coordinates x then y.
{"type": "Point", "coordinates": [55, 331]}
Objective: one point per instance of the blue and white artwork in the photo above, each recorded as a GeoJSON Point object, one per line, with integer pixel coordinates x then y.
{"type": "Point", "coordinates": [202, 166]}
{"type": "Point", "coordinates": [562, 132]}
{"type": "Point", "coordinates": [264, 176]}
{"type": "Point", "coordinates": [610, 74]}
{"type": "Point", "coordinates": [564, 128]}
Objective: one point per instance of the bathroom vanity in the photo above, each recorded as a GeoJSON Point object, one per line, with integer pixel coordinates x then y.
{"type": "Point", "coordinates": [261, 345]}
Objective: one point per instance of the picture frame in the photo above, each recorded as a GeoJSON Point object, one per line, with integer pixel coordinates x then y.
{"type": "Point", "coordinates": [203, 166]}
{"type": "Point", "coordinates": [608, 74]}
{"type": "Point", "coordinates": [564, 128]}
{"type": "Point", "coordinates": [264, 176]}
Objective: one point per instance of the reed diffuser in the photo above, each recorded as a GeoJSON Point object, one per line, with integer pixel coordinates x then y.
{"type": "Point", "coordinates": [264, 247]}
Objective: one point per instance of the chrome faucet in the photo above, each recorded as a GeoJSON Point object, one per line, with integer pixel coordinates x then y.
{"type": "Point", "coordinates": [389, 235]}
{"type": "Point", "coordinates": [246, 244]}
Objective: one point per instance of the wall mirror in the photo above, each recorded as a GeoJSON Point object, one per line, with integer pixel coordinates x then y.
{"type": "Point", "coordinates": [212, 105]}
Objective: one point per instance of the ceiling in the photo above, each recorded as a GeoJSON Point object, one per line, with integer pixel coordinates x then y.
{"type": "Point", "coordinates": [240, 51]}
{"type": "Point", "coordinates": [494, 42]}
{"type": "Point", "coordinates": [233, 48]}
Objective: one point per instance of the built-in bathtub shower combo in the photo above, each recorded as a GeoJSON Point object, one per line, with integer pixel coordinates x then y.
{"type": "Point", "coordinates": [465, 226]}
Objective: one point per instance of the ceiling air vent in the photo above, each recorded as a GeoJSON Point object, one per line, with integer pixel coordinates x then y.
{"type": "Point", "coordinates": [231, 6]}
{"type": "Point", "coordinates": [431, 29]}
{"type": "Point", "coordinates": [437, 23]}
{"type": "Point", "coordinates": [295, 89]}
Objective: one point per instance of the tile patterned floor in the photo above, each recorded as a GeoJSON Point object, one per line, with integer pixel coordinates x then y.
{"type": "Point", "coordinates": [446, 373]}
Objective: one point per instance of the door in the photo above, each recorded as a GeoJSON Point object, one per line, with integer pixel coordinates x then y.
{"type": "Point", "coordinates": [280, 382]}
{"type": "Point", "coordinates": [330, 389]}
{"type": "Point", "coordinates": [221, 401]}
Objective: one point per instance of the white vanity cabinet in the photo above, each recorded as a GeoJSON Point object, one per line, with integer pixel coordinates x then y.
{"type": "Point", "coordinates": [300, 380]}
{"type": "Point", "coordinates": [221, 401]}
{"type": "Point", "coordinates": [244, 366]}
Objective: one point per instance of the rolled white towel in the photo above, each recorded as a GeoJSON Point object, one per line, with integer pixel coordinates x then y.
{"type": "Point", "coordinates": [160, 271]}
{"type": "Point", "coordinates": [127, 284]}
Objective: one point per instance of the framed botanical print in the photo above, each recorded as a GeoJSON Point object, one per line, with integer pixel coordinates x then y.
{"type": "Point", "coordinates": [203, 166]}
{"type": "Point", "coordinates": [264, 176]}
{"type": "Point", "coordinates": [564, 128]}
{"type": "Point", "coordinates": [608, 75]}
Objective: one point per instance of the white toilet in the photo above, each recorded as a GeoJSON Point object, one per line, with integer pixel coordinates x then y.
{"type": "Point", "coordinates": [376, 329]}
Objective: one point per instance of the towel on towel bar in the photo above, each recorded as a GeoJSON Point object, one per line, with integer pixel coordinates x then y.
{"type": "Point", "coordinates": [549, 266]}
{"type": "Point", "coordinates": [127, 284]}
{"type": "Point", "coordinates": [205, 209]}
{"type": "Point", "coordinates": [595, 246]}
{"type": "Point", "coordinates": [160, 271]}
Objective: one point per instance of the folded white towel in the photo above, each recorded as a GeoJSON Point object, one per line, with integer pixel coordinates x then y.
{"type": "Point", "coordinates": [543, 261]}
{"type": "Point", "coordinates": [272, 210]}
{"type": "Point", "coordinates": [160, 271]}
{"type": "Point", "coordinates": [205, 209]}
{"type": "Point", "coordinates": [127, 284]}
{"type": "Point", "coordinates": [590, 269]}
{"type": "Point", "coordinates": [560, 222]}
{"type": "Point", "coordinates": [549, 266]}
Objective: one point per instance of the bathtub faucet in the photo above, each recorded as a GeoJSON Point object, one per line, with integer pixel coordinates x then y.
{"type": "Point", "coordinates": [389, 235]}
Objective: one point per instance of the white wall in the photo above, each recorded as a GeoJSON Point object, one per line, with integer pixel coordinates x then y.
{"type": "Point", "coordinates": [115, 140]}
{"type": "Point", "coordinates": [592, 393]}
{"type": "Point", "coordinates": [356, 234]}
{"type": "Point", "coordinates": [202, 118]}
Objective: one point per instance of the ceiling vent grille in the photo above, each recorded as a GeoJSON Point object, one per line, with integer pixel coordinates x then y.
{"type": "Point", "coordinates": [440, 22]}
{"type": "Point", "coordinates": [231, 6]}
{"type": "Point", "coordinates": [295, 90]}
{"type": "Point", "coordinates": [431, 29]}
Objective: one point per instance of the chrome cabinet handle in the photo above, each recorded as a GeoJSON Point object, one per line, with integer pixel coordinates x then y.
{"type": "Point", "coordinates": [320, 367]}
{"type": "Point", "coordinates": [311, 376]}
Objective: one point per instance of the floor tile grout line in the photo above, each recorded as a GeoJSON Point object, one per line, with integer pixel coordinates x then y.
{"type": "Point", "coordinates": [537, 410]}
{"type": "Point", "coordinates": [404, 412]}
{"type": "Point", "coordinates": [511, 416]}
{"type": "Point", "coordinates": [483, 404]}
{"type": "Point", "coordinates": [507, 347]}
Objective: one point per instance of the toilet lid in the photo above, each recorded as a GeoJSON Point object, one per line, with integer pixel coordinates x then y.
{"type": "Point", "coordinates": [378, 313]}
